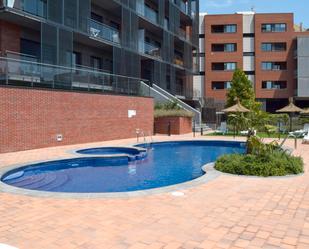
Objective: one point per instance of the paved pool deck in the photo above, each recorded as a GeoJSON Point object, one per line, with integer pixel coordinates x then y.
{"type": "Point", "coordinates": [227, 212]}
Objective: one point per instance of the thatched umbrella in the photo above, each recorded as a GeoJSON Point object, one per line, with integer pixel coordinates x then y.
{"type": "Point", "coordinates": [290, 109]}
{"type": "Point", "coordinates": [237, 108]}
{"type": "Point", "coordinates": [305, 111]}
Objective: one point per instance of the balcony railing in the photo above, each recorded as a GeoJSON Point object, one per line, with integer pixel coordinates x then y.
{"type": "Point", "coordinates": [34, 7]}
{"type": "Point", "coordinates": [149, 49]}
{"type": "Point", "coordinates": [38, 75]}
{"type": "Point", "coordinates": [102, 31]}
{"type": "Point", "coordinates": [184, 7]}
{"type": "Point", "coordinates": [147, 12]}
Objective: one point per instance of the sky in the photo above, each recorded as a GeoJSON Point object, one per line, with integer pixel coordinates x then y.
{"type": "Point", "coordinates": [300, 8]}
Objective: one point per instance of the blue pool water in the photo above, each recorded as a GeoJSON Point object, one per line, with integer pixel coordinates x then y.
{"type": "Point", "coordinates": [166, 164]}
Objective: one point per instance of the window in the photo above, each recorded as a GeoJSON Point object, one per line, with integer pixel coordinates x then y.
{"type": "Point", "coordinates": [31, 48]}
{"type": "Point", "coordinates": [76, 59]}
{"type": "Point", "coordinates": [230, 66]}
{"type": "Point", "coordinates": [229, 28]}
{"type": "Point", "coordinates": [96, 17]}
{"type": "Point", "coordinates": [274, 66]}
{"type": "Point", "coordinates": [221, 66]}
{"type": "Point", "coordinates": [96, 63]}
{"type": "Point", "coordinates": [274, 84]}
{"type": "Point", "coordinates": [274, 27]}
{"type": "Point", "coordinates": [228, 47]}
{"type": "Point", "coordinates": [221, 85]}
{"type": "Point", "coordinates": [273, 47]}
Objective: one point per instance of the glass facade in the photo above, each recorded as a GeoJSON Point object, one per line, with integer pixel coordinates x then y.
{"type": "Point", "coordinates": [147, 39]}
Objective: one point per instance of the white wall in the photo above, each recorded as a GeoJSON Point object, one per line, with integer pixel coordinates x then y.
{"type": "Point", "coordinates": [198, 86]}
{"type": "Point", "coordinates": [303, 66]}
{"type": "Point", "coordinates": [248, 44]}
{"type": "Point", "coordinates": [248, 23]}
{"type": "Point", "coordinates": [249, 63]}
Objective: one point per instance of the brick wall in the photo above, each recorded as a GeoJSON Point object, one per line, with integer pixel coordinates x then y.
{"type": "Point", "coordinates": [213, 57]}
{"type": "Point", "coordinates": [283, 56]}
{"type": "Point", "coordinates": [9, 37]}
{"type": "Point", "coordinates": [179, 125]}
{"type": "Point", "coordinates": [31, 119]}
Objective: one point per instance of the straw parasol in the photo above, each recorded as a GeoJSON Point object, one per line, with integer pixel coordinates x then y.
{"type": "Point", "coordinates": [290, 109]}
{"type": "Point", "coordinates": [237, 108]}
{"type": "Point", "coordinates": [305, 111]}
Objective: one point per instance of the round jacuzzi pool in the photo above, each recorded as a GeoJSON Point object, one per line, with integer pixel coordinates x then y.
{"type": "Point", "coordinates": [133, 153]}
{"type": "Point", "coordinates": [166, 163]}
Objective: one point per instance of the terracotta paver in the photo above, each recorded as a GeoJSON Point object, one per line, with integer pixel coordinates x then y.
{"type": "Point", "coordinates": [228, 212]}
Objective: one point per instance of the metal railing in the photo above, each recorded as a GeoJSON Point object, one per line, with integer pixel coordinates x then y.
{"type": "Point", "coordinates": [25, 73]}
{"type": "Point", "coordinates": [103, 31]}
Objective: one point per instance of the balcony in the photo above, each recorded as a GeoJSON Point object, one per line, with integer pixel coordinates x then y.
{"type": "Point", "coordinates": [148, 13]}
{"type": "Point", "coordinates": [184, 7]}
{"type": "Point", "coordinates": [178, 61]}
{"type": "Point", "coordinates": [34, 7]}
{"type": "Point", "coordinates": [183, 34]}
{"type": "Point", "coordinates": [101, 31]}
{"type": "Point", "coordinates": [149, 49]}
{"type": "Point", "coordinates": [17, 72]}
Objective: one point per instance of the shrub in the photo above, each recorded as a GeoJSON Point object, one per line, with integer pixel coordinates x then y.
{"type": "Point", "coordinates": [277, 163]}
{"type": "Point", "coordinates": [159, 113]}
{"type": "Point", "coordinates": [168, 106]}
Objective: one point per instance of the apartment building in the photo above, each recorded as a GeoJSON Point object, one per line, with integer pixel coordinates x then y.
{"type": "Point", "coordinates": [152, 40]}
{"type": "Point", "coordinates": [79, 71]}
{"type": "Point", "coordinates": [264, 46]}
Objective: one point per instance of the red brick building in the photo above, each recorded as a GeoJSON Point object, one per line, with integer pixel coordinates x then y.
{"type": "Point", "coordinates": [264, 46]}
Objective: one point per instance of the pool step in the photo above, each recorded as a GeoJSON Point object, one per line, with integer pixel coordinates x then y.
{"type": "Point", "coordinates": [47, 179]}
{"type": "Point", "coordinates": [24, 181]}
{"type": "Point", "coordinates": [60, 180]}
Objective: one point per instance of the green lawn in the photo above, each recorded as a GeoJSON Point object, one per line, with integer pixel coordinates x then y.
{"type": "Point", "coordinates": [260, 134]}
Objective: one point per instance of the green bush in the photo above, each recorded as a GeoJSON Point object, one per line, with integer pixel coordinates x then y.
{"type": "Point", "coordinates": [277, 163]}
{"type": "Point", "coordinates": [168, 106]}
{"type": "Point", "coordinates": [158, 113]}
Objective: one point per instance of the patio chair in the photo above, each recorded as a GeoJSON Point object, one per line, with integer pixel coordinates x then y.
{"type": "Point", "coordinates": [300, 133]}
{"type": "Point", "coordinates": [222, 129]}
{"type": "Point", "coordinates": [245, 133]}
{"type": "Point", "coordinates": [306, 139]}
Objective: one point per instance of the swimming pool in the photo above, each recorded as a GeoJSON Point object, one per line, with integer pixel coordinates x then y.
{"type": "Point", "coordinates": [166, 163]}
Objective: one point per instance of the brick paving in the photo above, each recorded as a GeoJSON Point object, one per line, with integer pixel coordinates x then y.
{"type": "Point", "coordinates": [228, 212]}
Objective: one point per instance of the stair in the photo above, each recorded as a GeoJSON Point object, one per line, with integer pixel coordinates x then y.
{"type": "Point", "coordinates": [198, 128]}
{"type": "Point", "coordinates": [162, 96]}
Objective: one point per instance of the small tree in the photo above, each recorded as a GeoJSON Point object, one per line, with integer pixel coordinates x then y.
{"type": "Point", "coordinates": [241, 88]}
